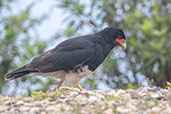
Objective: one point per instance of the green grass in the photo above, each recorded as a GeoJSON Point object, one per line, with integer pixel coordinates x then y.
{"type": "Point", "coordinates": [144, 103]}
{"type": "Point", "coordinates": [62, 108]}
{"type": "Point", "coordinates": [40, 95]}
{"type": "Point", "coordinates": [168, 85]}
{"type": "Point", "coordinates": [76, 108]}
{"type": "Point", "coordinates": [1, 96]}
{"type": "Point", "coordinates": [112, 98]}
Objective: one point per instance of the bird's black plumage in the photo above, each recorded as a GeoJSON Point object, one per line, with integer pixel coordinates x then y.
{"type": "Point", "coordinates": [89, 50]}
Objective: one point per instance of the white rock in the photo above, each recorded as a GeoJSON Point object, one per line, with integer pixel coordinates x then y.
{"type": "Point", "coordinates": [25, 112]}
{"type": "Point", "coordinates": [155, 95]}
{"type": "Point", "coordinates": [108, 111]}
{"type": "Point", "coordinates": [93, 98]}
{"type": "Point", "coordinates": [24, 108]}
{"type": "Point", "coordinates": [121, 91]}
{"type": "Point", "coordinates": [34, 110]}
{"type": "Point", "coordinates": [42, 113]}
{"type": "Point", "coordinates": [12, 110]}
{"type": "Point", "coordinates": [20, 103]}
{"type": "Point", "coordinates": [156, 110]}
{"type": "Point", "coordinates": [78, 98]}
{"type": "Point", "coordinates": [123, 110]}
{"type": "Point", "coordinates": [4, 108]}
{"type": "Point", "coordinates": [127, 97]}
{"type": "Point", "coordinates": [51, 108]}
{"type": "Point", "coordinates": [101, 96]}
{"type": "Point", "coordinates": [28, 104]}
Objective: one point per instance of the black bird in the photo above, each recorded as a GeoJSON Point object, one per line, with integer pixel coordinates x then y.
{"type": "Point", "coordinates": [74, 58]}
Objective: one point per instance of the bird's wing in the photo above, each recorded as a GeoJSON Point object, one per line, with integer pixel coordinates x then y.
{"type": "Point", "coordinates": [64, 57]}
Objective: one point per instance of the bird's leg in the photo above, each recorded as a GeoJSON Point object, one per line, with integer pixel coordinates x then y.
{"type": "Point", "coordinates": [79, 87]}
{"type": "Point", "coordinates": [59, 84]}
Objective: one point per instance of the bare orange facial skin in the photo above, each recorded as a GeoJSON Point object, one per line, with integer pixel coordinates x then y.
{"type": "Point", "coordinates": [121, 42]}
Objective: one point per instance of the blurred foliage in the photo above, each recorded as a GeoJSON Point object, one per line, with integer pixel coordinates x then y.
{"type": "Point", "coordinates": [17, 44]}
{"type": "Point", "coordinates": [147, 27]}
{"type": "Point", "coordinates": [145, 23]}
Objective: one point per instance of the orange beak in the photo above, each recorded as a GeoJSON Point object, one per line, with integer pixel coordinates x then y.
{"type": "Point", "coordinates": [121, 42]}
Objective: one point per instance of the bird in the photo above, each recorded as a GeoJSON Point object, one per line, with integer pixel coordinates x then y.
{"type": "Point", "coordinates": [74, 58]}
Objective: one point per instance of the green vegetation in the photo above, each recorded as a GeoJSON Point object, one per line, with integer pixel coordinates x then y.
{"type": "Point", "coordinates": [17, 45]}
{"type": "Point", "coordinates": [99, 110]}
{"type": "Point", "coordinates": [144, 103]}
{"type": "Point", "coordinates": [155, 101]}
{"type": "Point", "coordinates": [131, 86]}
{"type": "Point", "coordinates": [113, 98]}
{"type": "Point", "coordinates": [168, 85]}
{"type": "Point", "coordinates": [76, 108]}
{"type": "Point", "coordinates": [40, 95]}
{"type": "Point", "coordinates": [62, 108]}
{"type": "Point", "coordinates": [1, 96]}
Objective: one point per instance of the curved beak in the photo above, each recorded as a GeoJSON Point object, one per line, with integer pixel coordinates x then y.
{"type": "Point", "coordinates": [123, 46]}
{"type": "Point", "coordinates": [121, 42]}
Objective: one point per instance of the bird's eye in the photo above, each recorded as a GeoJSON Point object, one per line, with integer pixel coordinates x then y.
{"type": "Point", "coordinates": [119, 37]}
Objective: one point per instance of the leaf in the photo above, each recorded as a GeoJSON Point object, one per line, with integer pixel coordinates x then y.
{"type": "Point", "coordinates": [79, 8]}
{"type": "Point", "coordinates": [133, 42]}
{"type": "Point", "coordinates": [30, 49]}
{"type": "Point", "coordinates": [147, 25]}
{"type": "Point", "coordinates": [138, 14]}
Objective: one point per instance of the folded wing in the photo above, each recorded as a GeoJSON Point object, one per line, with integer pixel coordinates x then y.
{"type": "Point", "coordinates": [64, 57]}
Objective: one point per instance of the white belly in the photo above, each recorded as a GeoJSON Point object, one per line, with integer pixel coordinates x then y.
{"type": "Point", "coordinates": [74, 78]}
{"type": "Point", "coordinates": [70, 77]}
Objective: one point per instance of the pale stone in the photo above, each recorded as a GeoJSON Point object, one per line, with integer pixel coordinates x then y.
{"type": "Point", "coordinates": [28, 104]}
{"type": "Point", "coordinates": [51, 108]}
{"type": "Point", "coordinates": [78, 98]}
{"type": "Point", "coordinates": [24, 108]}
{"type": "Point", "coordinates": [156, 109]}
{"type": "Point", "coordinates": [7, 102]}
{"type": "Point", "coordinates": [1, 102]}
{"type": "Point", "coordinates": [34, 110]}
{"type": "Point", "coordinates": [123, 110]}
{"type": "Point", "coordinates": [20, 103]}
{"type": "Point", "coordinates": [121, 91]}
{"type": "Point", "coordinates": [108, 111]}
{"type": "Point", "coordinates": [43, 113]}
{"type": "Point", "coordinates": [127, 97]}
{"type": "Point", "coordinates": [93, 98]}
{"type": "Point", "coordinates": [4, 108]}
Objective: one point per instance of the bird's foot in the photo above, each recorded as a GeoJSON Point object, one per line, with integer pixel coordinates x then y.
{"type": "Point", "coordinates": [57, 88]}
{"type": "Point", "coordinates": [79, 87]}
{"type": "Point", "coordinates": [54, 89]}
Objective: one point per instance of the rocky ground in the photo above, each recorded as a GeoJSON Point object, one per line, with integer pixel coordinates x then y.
{"type": "Point", "coordinates": [69, 100]}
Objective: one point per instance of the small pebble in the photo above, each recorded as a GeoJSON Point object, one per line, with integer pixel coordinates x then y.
{"type": "Point", "coordinates": [34, 110]}
{"type": "Point", "coordinates": [156, 110]}
{"type": "Point", "coordinates": [20, 103]}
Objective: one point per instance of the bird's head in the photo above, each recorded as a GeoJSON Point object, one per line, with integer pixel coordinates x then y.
{"type": "Point", "coordinates": [114, 36]}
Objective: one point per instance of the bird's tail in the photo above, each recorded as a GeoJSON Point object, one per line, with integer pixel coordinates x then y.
{"type": "Point", "coordinates": [18, 73]}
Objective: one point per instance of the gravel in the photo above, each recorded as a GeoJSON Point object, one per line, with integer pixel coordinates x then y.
{"type": "Point", "coordinates": [143, 100]}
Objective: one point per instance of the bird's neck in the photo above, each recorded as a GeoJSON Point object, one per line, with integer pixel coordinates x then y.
{"type": "Point", "coordinates": [107, 48]}
{"type": "Point", "coordinates": [104, 39]}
